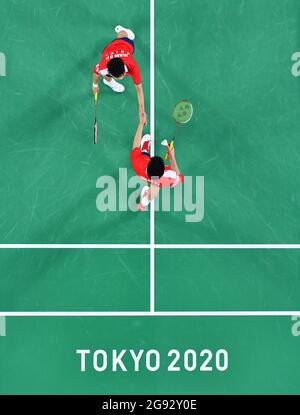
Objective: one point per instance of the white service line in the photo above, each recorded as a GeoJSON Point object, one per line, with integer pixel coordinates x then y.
{"type": "Point", "coordinates": [74, 246]}
{"type": "Point", "coordinates": [227, 246]}
{"type": "Point", "coordinates": [149, 313]}
{"type": "Point", "coordinates": [152, 133]}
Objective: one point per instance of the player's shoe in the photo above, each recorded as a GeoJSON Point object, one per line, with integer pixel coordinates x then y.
{"type": "Point", "coordinates": [114, 85]}
{"type": "Point", "coordinates": [146, 143]}
{"type": "Point", "coordinates": [144, 201]}
{"type": "Point", "coordinates": [129, 32]}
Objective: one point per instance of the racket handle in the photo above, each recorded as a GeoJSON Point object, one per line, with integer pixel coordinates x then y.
{"type": "Point", "coordinates": [96, 96]}
{"type": "Point", "coordinates": [171, 145]}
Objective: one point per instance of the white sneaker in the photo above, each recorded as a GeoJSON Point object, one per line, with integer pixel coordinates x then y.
{"type": "Point", "coordinates": [114, 85]}
{"type": "Point", "coordinates": [145, 143]}
{"type": "Point", "coordinates": [129, 32]}
{"type": "Point", "coordinates": [144, 201]}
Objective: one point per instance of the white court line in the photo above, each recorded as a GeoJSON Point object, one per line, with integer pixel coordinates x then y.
{"type": "Point", "coordinates": [227, 246]}
{"type": "Point", "coordinates": [148, 313]}
{"type": "Point", "coordinates": [152, 133]}
{"type": "Point", "coordinates": [152, 246]}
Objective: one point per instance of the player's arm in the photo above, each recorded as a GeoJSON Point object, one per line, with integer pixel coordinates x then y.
{"type": "Point", "coordinates": [139, 132]}
{"type": "Point", "coordinates": [96, 76]}
{"type": "Point", "coordinates": [172, 159]}
{"type": "Point", "coordinates": [137, 80]}
{"type": "Point", "coordinates": [141, 101]}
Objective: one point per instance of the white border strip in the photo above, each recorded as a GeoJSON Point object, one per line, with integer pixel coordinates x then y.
{"type": "Point", "coordinates": [148, 313]}
{"type": "Point", "coordinates": [152, 133]}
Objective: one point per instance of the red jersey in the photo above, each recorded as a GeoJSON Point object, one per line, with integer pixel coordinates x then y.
{"type": "Point", "coordinates": [140, 163]}
{"type": "Point", "coordinates": [119, 49]}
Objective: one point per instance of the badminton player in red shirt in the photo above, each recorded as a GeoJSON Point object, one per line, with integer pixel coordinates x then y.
{"type": "Point", "coordinates": [152, 169]}
{"type": "Point", "coordinates": [116, 62]}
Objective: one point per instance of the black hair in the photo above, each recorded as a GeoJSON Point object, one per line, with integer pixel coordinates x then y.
{"type": "Point", "coordinates": [116, 67]}
{"type": "Point", "coordinates": [156, 167]}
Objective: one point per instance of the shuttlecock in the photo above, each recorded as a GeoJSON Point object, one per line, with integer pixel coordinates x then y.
{"type": "Point", "coordinates": [164, 143]}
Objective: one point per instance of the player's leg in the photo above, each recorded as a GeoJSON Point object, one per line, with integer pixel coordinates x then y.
{"type": "Point", "coordinates": [122, 34]}
{"type": "Point", "coordinates": [148, 194]}
{"type": "Point", "coordinates": [144, 199]}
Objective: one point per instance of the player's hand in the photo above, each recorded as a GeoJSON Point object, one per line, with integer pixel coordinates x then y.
{"type": "Point", "coordinates": [171, 150]}
{"type": "Point", "coordinates": [143, 118]}
{"type": "Point", "coordinates": [95, 90]}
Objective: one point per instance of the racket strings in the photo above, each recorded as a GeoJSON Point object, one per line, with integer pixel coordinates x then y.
{"type": "Point", "coordinates": [182, 114]}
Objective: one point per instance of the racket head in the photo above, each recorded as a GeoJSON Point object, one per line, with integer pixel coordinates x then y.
{"type": "Point", "coordinates": [95, 132]}
{"type": "Point", "coordinates": [183, 112]}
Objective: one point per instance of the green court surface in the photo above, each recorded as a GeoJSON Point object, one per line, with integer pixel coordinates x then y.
{"type": "Point", "coordinates": [49, 164]}
{"type": "Point", "coordinates": [118, 280]}
{"type": "Point", "coordinates": [227, 280]}
{"type": "Point", "coordinates": [78, 280]}
{"type": "Point", "coordinates": [232, 60]}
